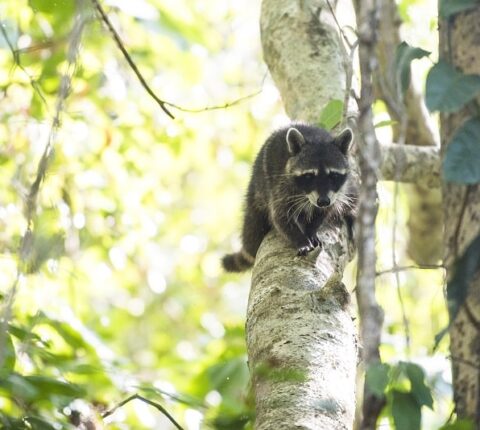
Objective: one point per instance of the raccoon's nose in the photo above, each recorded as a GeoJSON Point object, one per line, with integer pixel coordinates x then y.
{"type": "Point", "coordinates": [323, 202]}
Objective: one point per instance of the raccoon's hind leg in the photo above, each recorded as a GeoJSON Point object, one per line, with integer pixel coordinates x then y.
{"type": "Point", "coordinates": [255, 227]}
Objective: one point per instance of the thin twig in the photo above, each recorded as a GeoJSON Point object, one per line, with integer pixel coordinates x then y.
{"type": "Point", "coordinates": [413, 266]}
{"type": "Point", "coordinates": [217, 107]}
{"type": "Point", "coordinates": [406, 324]}
{"type": "Point", "coordinates": [163, 103]}
{"type": "Point", "coordinates": [349, 66]}
{"type": "Point", "coordinates": [130, 62]}
{"type": "Point", "coordinates": [340, 29]}
{"type": "Point", "coordinates": [16, 60]}
{"type": "Point", "coordinates": [145, 400]}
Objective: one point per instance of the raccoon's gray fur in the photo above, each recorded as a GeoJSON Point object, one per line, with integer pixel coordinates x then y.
{"type": "Point", "coordinates": [300, 180]}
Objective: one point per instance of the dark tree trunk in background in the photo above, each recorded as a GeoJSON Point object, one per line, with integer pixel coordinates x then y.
{"type": "Point", "coordinates": [460, 46]}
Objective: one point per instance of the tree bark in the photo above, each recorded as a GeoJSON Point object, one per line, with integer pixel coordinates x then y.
{"type": "Point", "coordinates": [459, 45]}
{"type": "Point", "coordinates": [301, 338]}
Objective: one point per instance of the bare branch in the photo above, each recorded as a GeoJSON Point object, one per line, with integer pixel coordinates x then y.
{"type": "Point", "coordinates": [371, 315]}
{"type": "Point", "coordinates": [162, 103]}
{"type": "Point", "coordinates": [148, 402]}
{"type": "Point", "coordinates": [221, 106]}
{"type": "Point", "coordinates": [16, 59]}
{"type": "Point", "coordinates": [409, 163]}
{"type": "Point", "coordinates": [411, 267]}
{"type": "Point", "coordinates": [130, 62]}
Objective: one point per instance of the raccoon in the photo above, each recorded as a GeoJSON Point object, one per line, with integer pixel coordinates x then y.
{"type": "Point", "coordinates": [300, 179]}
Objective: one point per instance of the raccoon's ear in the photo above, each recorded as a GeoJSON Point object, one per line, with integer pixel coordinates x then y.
{"type": "Point", "coordinates": [343, 140]}
{"type": "Point", "coordinates": [295, 140]}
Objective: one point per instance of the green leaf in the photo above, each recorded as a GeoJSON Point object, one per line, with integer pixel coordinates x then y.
{"type": "Point", "coordinates": [447, 89]}
{"type": "Point", "coordinates": [9, 356]}
{"type": "Point", "coordinates": [419, 390]}
{"type": "Point", "coordinates": [49, 386]}
{"type": "Point", "coordinates": [406, 411]}
{"type": "Point", "coordinates": [465, 269]}
{"type": "Point", "coordinates": [404, 56]}
{"type": "Point", "coordinates": [331, 114]}
{"type": "Point", "coordinates": [23, 334]}
{"type": "Point", "coordinates": [376, 378]}
{"type": "Point", "coordinates": [461, 163]}
{"type": "Point", "coordinates": [61, 7]}
{"type": "Point", "coordinates": [37, 423]}
{"type": "Point", "coordinates": [16, 385]}
{"type": "Point", "coordinates": [448, 8]}
{"type": "Point", "coordinates": [45, 247]}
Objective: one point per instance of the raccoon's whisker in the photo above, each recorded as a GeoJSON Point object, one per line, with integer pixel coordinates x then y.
{"type": "Point", "coordinates": [301, 207]}
{"type": "Point", "coordinates": [292, 200]}
{"type": "Point", "coordinates": [294, 207]}
{"type": "Point", "coordinates": [297, 207]}
{"type": "Point", "coordinates": [289, 199]}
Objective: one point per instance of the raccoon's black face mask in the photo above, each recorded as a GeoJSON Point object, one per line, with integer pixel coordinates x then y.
{"type": "Point", "coordinates": [318, 165]}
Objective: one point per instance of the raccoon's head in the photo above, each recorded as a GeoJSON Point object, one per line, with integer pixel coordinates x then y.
{"type": "Point", "coordinates": [318, 164]}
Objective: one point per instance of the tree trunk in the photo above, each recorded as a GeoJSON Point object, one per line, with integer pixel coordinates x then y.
{"type": "Point", "coordinates": [300, 336]}
{"type": "Point", "coordinates": [459, 45]}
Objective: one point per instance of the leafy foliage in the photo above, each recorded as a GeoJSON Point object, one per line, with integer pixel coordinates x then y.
{"type": "Point", "coordinates": [404, 56]}
{"type": "Point", "coordinates": [466, 267]}
{"type": "Point", "coordinates": [447, 89]}
{"type": "Point", "coordinates": [377, 378]}
{"type": "Point", "coordinates": [405, 411]}
{"type": "Point", "coordinates": [121, 290]}
{"type": "Point", "coordinates": [331, 114]}
{"type": "Point", "coordinates": [404, 387]}
{"type": "Point", "coordinates": [448, 8]}
{"type": "Point", "coordinates": [460, 163]}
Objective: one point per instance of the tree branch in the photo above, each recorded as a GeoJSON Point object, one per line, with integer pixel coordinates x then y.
{"type": "Point", "coordinates": [371, 314]}
{"type": "Point", "coordinates": [130, 62]}
{"type": "Point", "coordinates": [411, 267]}
{"type": "Point", "coordinates": [148, 402]}
{"type": "Point", "coordinates": [162, 103]}
{"type": "Point", "coordinates": [408, 163]}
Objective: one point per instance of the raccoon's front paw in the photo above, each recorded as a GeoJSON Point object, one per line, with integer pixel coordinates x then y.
{"type": "Point", "coordinates": [304, 250]}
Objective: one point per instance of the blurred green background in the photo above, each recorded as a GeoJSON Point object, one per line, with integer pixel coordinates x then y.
{"type": "Point", "coordinates": [122, 290]}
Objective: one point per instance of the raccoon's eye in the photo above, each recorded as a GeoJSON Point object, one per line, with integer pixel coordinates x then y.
{"type": "Point", "coordinates": [308, 176]}
{"type": "Point", "coordinates": [305, 179]}
{"type": "Point", "coordinates": [336, 177]}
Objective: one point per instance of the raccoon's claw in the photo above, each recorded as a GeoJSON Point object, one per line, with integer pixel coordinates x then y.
{"type": "Point", "coordinates": [315, 241]}
{"type": "Point", "coordinates": [304, 250]}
